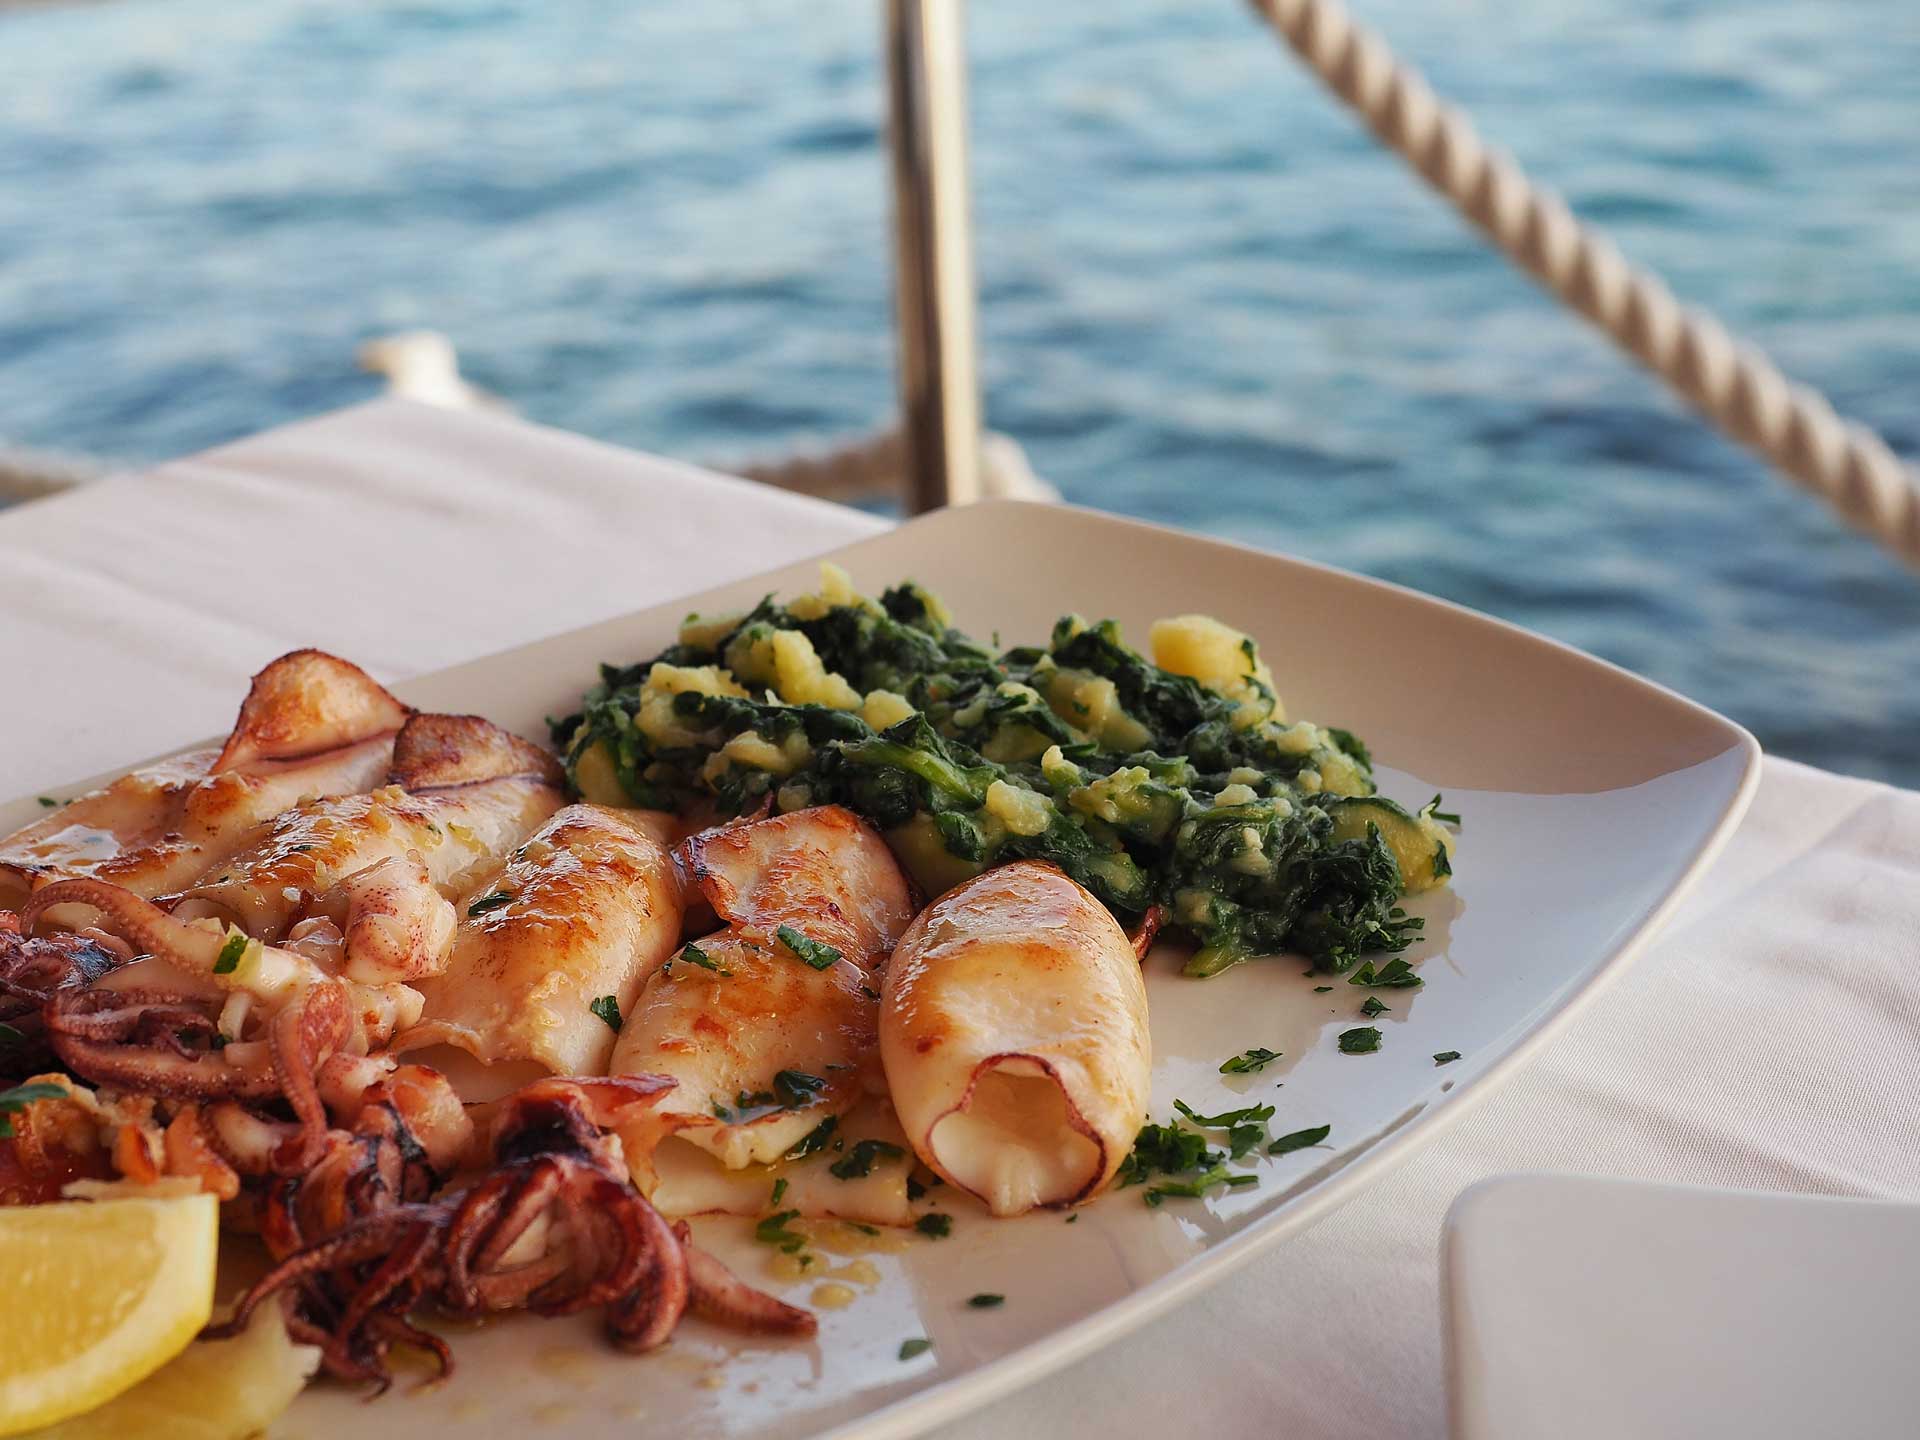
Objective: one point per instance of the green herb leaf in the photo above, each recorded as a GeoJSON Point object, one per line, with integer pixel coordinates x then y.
{"type": "Point", "coordinates": [1371, 1007]}
{"type": "Point", "coordinates": [934, 1225]}
{"type": "Point", "coordinates": [986, 1302]}
{"type": "Point", "coordinates": [1250, 1114]}
{"type": "Point", "coordinates": [1394, 975]}
{"type": "Point", "coordinates": [1073, 1217]}
{"type": "Point", "coordinates": [1433, 811]}
{"type": "Point", "coordinates": [914, 1188]}
{"type": "Point", "coordinates": [1321, 989]}
{"type": "Point", "coordinates": [1197, 1187]}
{"type": "Point", "coordinates": [1249, 1062]}
{"type": "Point", "coordinates": [49, 802]}
{"type": "Point", "coordinates": [857, 1163]}
{"type": "Point", "coordinates": [812, 952]}
{"type": "Point", "coordinates": [1363, 1040]}
{"type": "Point", "coordinates": [1299, 1140]}
{"type": "Point", "coordinates": [694, 955]}
{"type": "Point", "coordinates": [779, 1189]}
{"type": "Point", "coordinates": [910, 1349]}
{"type": "Point", "coordinates": [814, 1139]}
{"type": "Point", "coordinates": [490, 902]}
{"type": "Point", "coordinates": [1164, 1149]}
{"type": "Point", "coordinates": [796, 1089]}
{"type": "Point", "coordinates": [1446, 1057]}
{"type": "Point", "coordinates": [607, 1007]}
{"type": "Point", "coordinates": [228, 959]}
{"type": "Point", "coordinates": [773, 1231]}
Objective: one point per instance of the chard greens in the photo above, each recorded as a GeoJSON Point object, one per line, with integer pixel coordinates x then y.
{"type": "Point", "coordinates": [1147, 787]}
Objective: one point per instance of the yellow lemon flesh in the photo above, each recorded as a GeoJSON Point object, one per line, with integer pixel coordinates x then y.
{"type": "Point", "coordinates": [212, 1390]}
{"type": "Point", "coordinates": [97, 1297]}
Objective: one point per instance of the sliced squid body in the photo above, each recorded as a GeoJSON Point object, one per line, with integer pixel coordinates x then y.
{"type": "Point", "coordinates": [588, 906]}
{"type": "Point", "coordinates": [824, 871]}
{"type": "Point", "coordinates": [1014, 1035]}
{"type": "Point", "coordinates": [312, 725]}
{"type": "Point", "coordinates": [870, 1184]}
{"type": "Point", "coordinates": [766, 1048]}
{"type": "Point", "coordinates": [462, 793]}
{"type": "Point", "coordinates": [728, 1035]}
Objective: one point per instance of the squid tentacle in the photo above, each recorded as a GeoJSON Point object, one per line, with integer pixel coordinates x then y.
{"type": "Point", "coordinates": [724, 1298]}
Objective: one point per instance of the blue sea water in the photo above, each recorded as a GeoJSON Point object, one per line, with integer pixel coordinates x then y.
{"type": "Point", "coordinates": [1207, 297]}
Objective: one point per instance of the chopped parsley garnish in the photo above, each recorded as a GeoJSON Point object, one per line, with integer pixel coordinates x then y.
{"type": "Point", "coordinates": [694, 955]}
{"type": "Point", "coordinates": [1249, 1062]}
{"type": "Point", "coordinates": [986, 1302]}
{"type": "Point", "coordinates": [911, 1349]}
{"type": "Point", "coordinates": [1396, 974]}
{"type": "Point", "coordinates": [773, 1231]}
{"type": "Point", "coordinates": [811, 952]}
{"type": "Point", "coordinates": [1073, 1217]}
{"type": "Point", "coordinates": [1299, 1140]}
{"type": "Point", "coordinates": [1197, 1187]}
{"type": "Point", "coordinates": [1245, 1128]}
{"type": "Point", "coordinates": [490, 902]}
{"type": "Point", "coordinates": [607, 1007]}
{"type": "Point", "coordinates": [1362, 1040]}
{"type": "Point", "coordinates": [857, 1163]}
{"type": "Point", "coordinates": [1433, 811]}
{"type": "Point", "coordinates": [815, 1139]}
{"type": "Point", "coordinates": [746, 1107]}
{"type": "Point", "coordinates": [1321, 989]}
{"type": "Point", "coordinates": [20, 1096]}
{"type": "Point", "coordinates": [779, 1189]}
{"type": "Point", "coordinates": [1164, 1149]}
{"type": "Point", "coordinates": [792, 1090]}
{"type": "Point", "coordinates": [796, 1089]}
{"type": "Point", "coordinates": [1371, 1007]}
{"type": "Point", "coordinates": [914, 1188]}
{"type": "Point", "coordinates": [1446, 1057]}
{"type": "Point", "coordinates": [49, 802]}
{"type": "Point", "coordinates": [934, 1225]}
{"type": "Point", "coordinates": [228, 960]}
{"type": "Point", "coordinates": [1226, 1118]}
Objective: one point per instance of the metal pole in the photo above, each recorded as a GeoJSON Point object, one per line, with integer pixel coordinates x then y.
{"type": "Point", "coordinates": [933, 251]}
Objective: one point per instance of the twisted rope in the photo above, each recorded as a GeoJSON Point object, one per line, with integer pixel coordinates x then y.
{"type": "Point", "coordinates": [1727, 380]}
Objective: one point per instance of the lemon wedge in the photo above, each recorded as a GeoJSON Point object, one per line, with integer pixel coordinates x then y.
{"type": "Point", "coordinates": [212, 1390]}
{"type": "Point", "coordinates": [98, 1297]}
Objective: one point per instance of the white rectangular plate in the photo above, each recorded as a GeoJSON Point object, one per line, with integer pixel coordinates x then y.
{"type": "Point", "coordinates": [1591, 799]}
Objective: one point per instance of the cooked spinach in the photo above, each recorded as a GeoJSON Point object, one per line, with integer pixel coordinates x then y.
{"type": "Point", "coordinates": [1148, 787]}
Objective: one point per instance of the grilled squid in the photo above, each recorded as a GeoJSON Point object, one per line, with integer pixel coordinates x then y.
{"type": "Point", "coordinates": [460, 793]}
{"type": "Point", "coordinates": [768, 1026]}
{"type": "Point", "coordinates": [1014, 1035]}
{"type": "Point", "coordinates": [312, 725]}
{"type": "Point", "coordinates": [587, 908]}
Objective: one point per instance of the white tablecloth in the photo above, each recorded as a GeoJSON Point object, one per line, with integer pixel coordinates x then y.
{"type": "Point", "coordinates": [1768, 1040]}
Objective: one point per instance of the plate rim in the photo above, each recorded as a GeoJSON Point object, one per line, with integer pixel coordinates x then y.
{"type": "Point", "coordinates": [916, 1412]}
